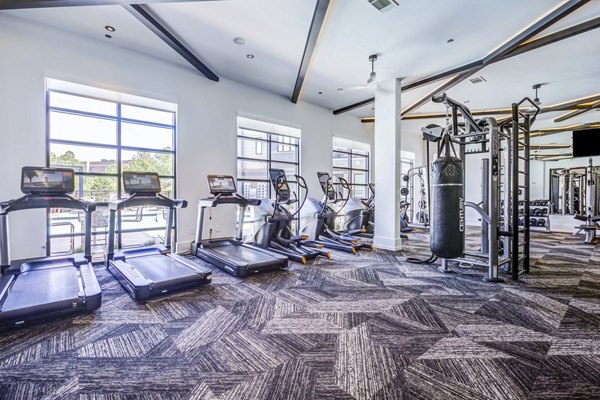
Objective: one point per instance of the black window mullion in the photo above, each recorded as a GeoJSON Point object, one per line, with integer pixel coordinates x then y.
{"type": "Point", "coordinates": [119, 171]}
{"type": "Point", "coordinates": [118, 148]}
{"type": "Point", "coordinates": [269, 158]}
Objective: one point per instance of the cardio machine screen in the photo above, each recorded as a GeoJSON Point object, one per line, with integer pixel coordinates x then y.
{"type": "Point", "coordinates": [47, 180]}
{"type": "Point", "coordinates": [280, 185]}
{"type": "Point", "coordinates": [221, 184]}
{"type": "Point", "coordinates": [141, 182]}
{"type": "Point", "coordinates": [326, 186]}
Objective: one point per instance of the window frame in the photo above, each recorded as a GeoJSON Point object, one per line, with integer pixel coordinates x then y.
{"type": "Point", "coordinates": [351, 153]}
{"type": "Point", "coordinates": [272, 145]}
{"type": "Point", "coordinates": [119, 149]}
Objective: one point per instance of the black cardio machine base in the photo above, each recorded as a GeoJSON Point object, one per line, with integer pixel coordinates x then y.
{"type": "Point", "coordinates": [231, 254]}
{"type": "Point", "coordinates": [47, 287]}
{"type": "Point", "coordinates": [153, 270]}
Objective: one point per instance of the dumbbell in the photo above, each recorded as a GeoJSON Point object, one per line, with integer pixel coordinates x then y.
{"type": "Point", "coordinates": [535, 203]}
{"type": "Point", "coordinates": [541, 222]}
{"type": "Point", "coordinates": [533, 221]}
{"type": "Point", "coordinates": [404, 192]}
{"type": "Point", "coordinates": [521, 221]}
{"type": "Point", "coordinates": [544, 202]}
{"type": "Point", "coordinates": [405, 178]}
{"type": "Point", "coordinates": [521, 203]}
{"type": "Point", "coordinates": [544, 211]}
{"type": "Point", "coordinates": [538, 212]}
{"type": "Point", "coordinates": [521, 211]}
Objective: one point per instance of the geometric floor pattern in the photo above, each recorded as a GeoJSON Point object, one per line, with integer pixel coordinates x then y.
{"type": "Point", "coordinates": [367, 326]}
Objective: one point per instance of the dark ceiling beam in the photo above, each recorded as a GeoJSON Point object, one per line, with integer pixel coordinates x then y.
{"type": "Point", "coordinates": [537, 27]}
{"type": "Point", "coordinates": [501, 51]}
{"type": "Point", "coordinates": [524, 47]}
{"type": "Point", "coordinates": [555, 37]}
{"type": "Point", "coordinates": [581, 104]}
{"type": "Point", "coordinates": [311, 43]}
{"type": "Point", "coordinates": [575, 113]}
{"type": "Point", "coordinates": [144, 15]}
{"type": "Point", "coordinates": [22, 4]}
{"type": "Point", "coordinates": [443, 87]}
{"type": "Point", "coordinates": [354, 106]}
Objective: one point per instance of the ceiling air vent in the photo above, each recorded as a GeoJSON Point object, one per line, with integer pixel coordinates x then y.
{"type": "Point", "coordinates": [479, 79]}
{"type": "Point", "coordinates": [383, 5]}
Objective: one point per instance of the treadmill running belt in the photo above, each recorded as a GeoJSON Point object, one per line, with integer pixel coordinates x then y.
{"type": "Point", "coordinates": [44, 287]}
{"type": "Point", "coordinates": [163, 270]}
{"type": "Point", "coordinates": [241, 254]}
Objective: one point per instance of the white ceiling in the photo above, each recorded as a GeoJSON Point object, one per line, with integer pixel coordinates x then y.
{"type": "Point", "coordinates": [275, 32]}
{"type": "Point", "coordinates": [570, 69]}
{"type": "Point", "coordinates": [411, 40]}
{"type": "Point", "coordinates": [90, 21]}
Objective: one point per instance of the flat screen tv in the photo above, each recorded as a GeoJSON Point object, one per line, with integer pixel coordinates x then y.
{"type": "Point", "coordinates": [586, 143]}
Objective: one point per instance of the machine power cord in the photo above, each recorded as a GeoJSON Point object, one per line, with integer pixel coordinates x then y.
{"type": "Point", "coordinates": [414, 260]}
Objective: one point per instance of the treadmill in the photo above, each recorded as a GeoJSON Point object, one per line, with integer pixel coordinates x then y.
{"type": "Point", "coordinates": [231, 254]}
{"type": "Point", "coordinates": [46, 287]}
{"type": "Point", "coordinates": [150, 270]}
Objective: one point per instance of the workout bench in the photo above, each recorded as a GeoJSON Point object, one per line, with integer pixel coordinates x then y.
{"type": "Point", "coordinates": [590, 227]}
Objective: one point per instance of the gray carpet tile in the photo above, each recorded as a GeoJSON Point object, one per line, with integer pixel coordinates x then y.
{"type": "Point", "coordinates": [366, 327]}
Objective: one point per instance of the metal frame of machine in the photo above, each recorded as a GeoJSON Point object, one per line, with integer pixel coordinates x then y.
{"type": "Point", "coordinates": [505, 183]}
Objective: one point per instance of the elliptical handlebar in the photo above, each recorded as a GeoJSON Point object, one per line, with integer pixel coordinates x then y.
{"type": "Point", "coordinates": [302, 184]}
{"type": "Point", "coordinates": [346, 186]}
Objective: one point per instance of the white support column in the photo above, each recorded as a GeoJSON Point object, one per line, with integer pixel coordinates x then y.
{"type": "Point", "coordinates": [388, 176]}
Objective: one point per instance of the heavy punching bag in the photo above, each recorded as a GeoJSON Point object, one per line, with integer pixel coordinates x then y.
{"type": "Point", "coordinates": [448, 213]}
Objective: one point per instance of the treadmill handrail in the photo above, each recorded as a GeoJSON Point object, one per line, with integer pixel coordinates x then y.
{"type": "Point", "coordinates": [146, 199]}
{"type": "Point", "coordinates": [36, 201]}
{"type": "Point", "coordinates": [236, 199]}
{"type": "Point", "coordinates": [136, 200]}
{"type": "Point", "coordinates": [33, 201]}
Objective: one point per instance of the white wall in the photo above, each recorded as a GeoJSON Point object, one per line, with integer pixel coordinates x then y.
{"type": "Point", "coordinates": [207, 111]}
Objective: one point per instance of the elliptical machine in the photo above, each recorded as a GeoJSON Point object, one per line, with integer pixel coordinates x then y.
{"type": "Point", "coordinates": [316, 217]}
{"type": "Point", "coordinates": [330, 195]}
{"type": "Point", "coordinates": [359, 215]}
{"type": "Point", "coordinates": [276, 232]}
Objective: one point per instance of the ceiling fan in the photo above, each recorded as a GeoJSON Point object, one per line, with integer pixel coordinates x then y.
{"type": "Point", "coordinates": [371, 82]}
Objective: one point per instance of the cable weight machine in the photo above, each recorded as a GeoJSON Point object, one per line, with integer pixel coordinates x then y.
{"type": "Point", "coordinates": [505, 182]}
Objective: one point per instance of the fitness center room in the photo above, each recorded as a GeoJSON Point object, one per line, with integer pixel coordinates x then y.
{"type": "Point", "coordinates": [300, 199]}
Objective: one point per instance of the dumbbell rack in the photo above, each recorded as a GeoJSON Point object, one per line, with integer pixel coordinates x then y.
{"type": "Point", "coordinates": [533, 206]}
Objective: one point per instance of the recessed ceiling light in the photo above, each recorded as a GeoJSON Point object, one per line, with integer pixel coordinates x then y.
{"type": "Point", "coordinates": [239, 40]}
{"type": "Point", "coordinates": [108, 36]}
{"type": "Point", "coordinates": [250, 56]}
{"type": "Point", "coordinates": [450, 40]}
{"type": "Point", "coordinates": [109, 28]}
{"type": "Point", "coordinates": [340, 89]}
{"type": "Point", "coordinates": [372, 108]}
{"type": "Point", "coordinates": [320, 92]}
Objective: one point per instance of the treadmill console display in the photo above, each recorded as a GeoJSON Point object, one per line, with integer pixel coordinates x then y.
{"type": "Point", "coordinates": [47, 180]}
{"type": "Point", "coordinates": [221, 184]}
{"type": "Point", "coordinates": [141, 182]}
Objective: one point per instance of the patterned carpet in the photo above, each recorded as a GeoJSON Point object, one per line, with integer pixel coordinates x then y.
{"type": "Point", "coordinates": [361, 327]}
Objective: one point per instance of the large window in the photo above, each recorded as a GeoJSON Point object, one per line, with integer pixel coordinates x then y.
{"type": "Point", "coordinates": [257, 152]}
{"type": "Point", "coordinates": [99, 139]}
{"type": "Point", "coordinates": [353, 165]}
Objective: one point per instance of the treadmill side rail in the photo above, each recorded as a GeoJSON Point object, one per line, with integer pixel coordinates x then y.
{"type": "Point", "coordinates": [134, 283]}
{"type": "Point", "coordinates": [91, 287]}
